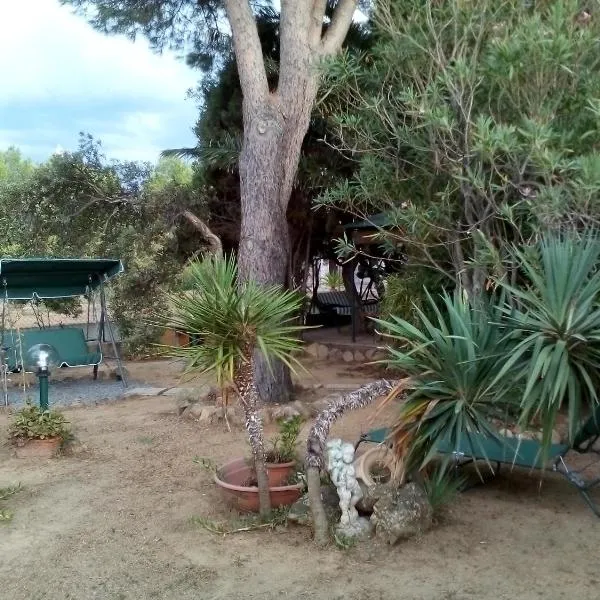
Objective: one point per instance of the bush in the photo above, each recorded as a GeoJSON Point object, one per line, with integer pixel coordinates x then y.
{"type": "Point", "coordinates": [32, 423]}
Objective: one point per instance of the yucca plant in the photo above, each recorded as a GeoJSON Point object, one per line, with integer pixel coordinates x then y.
{"type": "Point", "coordinates": [555, 319]}
{"type": "Point", "coordinates": [230, 320]}
{"type": "Point", "coordinates": [451, 360]}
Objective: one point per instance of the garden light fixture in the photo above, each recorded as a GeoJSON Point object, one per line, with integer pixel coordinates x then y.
{"type": "Point", "coordinates": [40, 359]}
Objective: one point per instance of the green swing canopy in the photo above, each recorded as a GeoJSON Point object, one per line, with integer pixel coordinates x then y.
{"type": "Point", "coordinates": [39, 278]}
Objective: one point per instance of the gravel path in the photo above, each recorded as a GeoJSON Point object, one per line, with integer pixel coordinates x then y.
{"type": "Point", "coordinates": [67, 393]}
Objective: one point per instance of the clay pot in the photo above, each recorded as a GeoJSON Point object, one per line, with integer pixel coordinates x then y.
{"type": "Point", "coordinates": [35, 448]}
{"type": "Point", "coordinates": [233, 478]}
{"type": "Point", "coordinates": [279, 473]}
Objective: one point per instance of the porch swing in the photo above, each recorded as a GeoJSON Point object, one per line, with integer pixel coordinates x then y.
{"type": "Point", "coordinates": [34, 279]}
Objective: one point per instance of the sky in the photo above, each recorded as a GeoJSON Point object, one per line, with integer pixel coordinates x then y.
{"type": "Point", "coordinates": [60, 77]}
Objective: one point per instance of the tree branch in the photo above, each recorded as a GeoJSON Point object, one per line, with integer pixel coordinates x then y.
{"type": "Point", "coordinates": [248, 51]}
{"type": "Point", "coordinates": [214, 241]}
{"type": "Point", "coordinates": [316, 26]}
{"type": "Point", "coordinates": [340, 23]}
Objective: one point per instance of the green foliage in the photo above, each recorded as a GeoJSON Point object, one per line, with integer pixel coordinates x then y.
{"type": "Point", "coordinates": [453, 361]}
{"type": "Point", "coordinates": [441, 488]}
{"type": "Point", "coordinates": [556, 322]}
{"type": "Point", "coordinates": [476, 126]}
{"type": "Point", "coordinates": [283, 446]}
{"type": "Point", "coordinates": [405, 294]}
{"type": "Point", "coordinates": [334, 280]}
{"type": "Point", "coordinates": [230, 319]}
{"type": "Point", "coordinates": [5, 493]}
{"type": "Point", "coordinates": [30, 422]}
{"type": "Point", "coordinates": [80, 204]}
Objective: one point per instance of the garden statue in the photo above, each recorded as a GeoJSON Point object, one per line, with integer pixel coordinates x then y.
{"type": "Point", "coordinates": [340, 458]}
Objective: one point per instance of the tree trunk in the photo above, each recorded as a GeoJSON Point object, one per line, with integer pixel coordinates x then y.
{"type": "Point", "coordinates": [317, 438]}
{"type": "Point", "coordinates": [268, 165]}
{"type": "Point", "coordinates": [246, 390]}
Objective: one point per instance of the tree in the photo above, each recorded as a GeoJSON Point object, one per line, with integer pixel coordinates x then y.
{"type": "Point", "coordinates": [476, 124]}
{"type": "Point", "coordinates": [80, 204]}
{"type": "Point", "coordinates": [276, 118]}
{"type": "Point", "coordinates": [233, 322]}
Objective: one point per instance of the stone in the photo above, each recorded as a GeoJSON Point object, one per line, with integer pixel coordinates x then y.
{"type": "Point", "coordinates": [348, 356]}
{"type": "Point", "coordinates": [284, 412]}
{"type": "Point", "coordinates": [143, 391]}
{"type": "Point", "coordinates": [359, 529]}
{"type": "Point", "coordinates": [359, 356]}
{"type": "Point", "coordinates": [302, 409]}
{"type": "Point", "coordinates": [335, 354]}
{"type": "Point", "coordinates": [402, 513]}
{"type": "Point", "coordinates": [371, 495]}
{"type": "Point", "coordinates": [299, 512]}
{"type": "Point", "coordinates": [322, 351]}
{"type": "Point", "coordinates": [370, 354]}
{"type": "Point", "coordinates": [318, 406]}
{"type": "Point", "coordinates": [506, 432]}
{"type": "Point", "coordinates": [194, 411]}
{"type": "Point", "coordinates": [312, 350]}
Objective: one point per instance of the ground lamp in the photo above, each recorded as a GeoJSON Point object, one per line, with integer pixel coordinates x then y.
{"type": "Point", "coordinates": [40, 359]}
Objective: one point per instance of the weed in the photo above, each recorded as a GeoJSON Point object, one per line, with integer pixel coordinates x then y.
{"type": "Point", "coordinates": [277, 518]}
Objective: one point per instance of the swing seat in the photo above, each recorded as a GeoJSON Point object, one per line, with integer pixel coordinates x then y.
{"type": "Point", "coordinates": [69, 342]}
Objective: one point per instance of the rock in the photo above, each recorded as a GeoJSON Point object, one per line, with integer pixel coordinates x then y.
{"type": "Point", "coordinates": [318, 406]}
{"type": "Point", "coordinates": [370, 354]}
{"type": "Point", "coordinates": [284, 412]}
{"type": "Point", "coordinates": [359, 530]}
{"type": "Point", "coordinates": [506, 432]}
{"type": "Point", "coordinates": [348, 356]}
{"type": "Point", "coordinates": [194, 411]}
{"type": "Point", "coordinates": [301, 408]}
{"type": "Point", "coordinates": [556, 437]}
{"type": "Point", "coordinates": [359, 356]}
{"type": "Point", "coordinates": [371, 495]}
{"type": "Point", "coordinates": [322, 351]}
{"type": "Point", "coordinates": [300, 511]}
{"type": "Point", "coordinates": [335, 354]}
{"type": "Point", "coordinates": [402, 513]}
{"type": "Point", "coordinates": [312, 350]}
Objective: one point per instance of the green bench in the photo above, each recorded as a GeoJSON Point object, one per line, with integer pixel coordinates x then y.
{"type": "Point", "coordinates": [70, 344]}
{"type": "Point", "coordinates": [498, 449]}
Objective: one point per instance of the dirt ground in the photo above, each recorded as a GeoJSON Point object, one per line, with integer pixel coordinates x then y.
{"type": "Point", "coordinates": [113, 521]}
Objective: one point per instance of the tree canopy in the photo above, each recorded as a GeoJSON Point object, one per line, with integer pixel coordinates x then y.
{"type": "Point", "coordinates": [476, 124]}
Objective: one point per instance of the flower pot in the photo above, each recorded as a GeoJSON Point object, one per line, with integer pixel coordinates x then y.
{"type": "Point", "coordinates": [279, 473]}
{"type": "Point", "coordinates": [233, 478]}
{"type": "Point", "coordinates": [36, 448]}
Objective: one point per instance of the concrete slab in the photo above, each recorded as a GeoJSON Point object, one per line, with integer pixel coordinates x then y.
{"type": "Point", "coordinates": [143, 391]}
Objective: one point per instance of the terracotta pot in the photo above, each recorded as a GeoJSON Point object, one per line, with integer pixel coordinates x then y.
{"type": "Point", "coordinates": [233, 478]}
{"type": "Point", "coordinates": [39, 448]}
{"type": "Point", "coordinates": [279, 473]}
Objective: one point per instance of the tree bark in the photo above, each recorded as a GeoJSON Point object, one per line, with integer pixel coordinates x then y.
{"type": "Point", "coordinates": [275, 124]}
{"type": "Point", "coordinates": [244, 383]}
{"type": "Point", "coordinates": [317, 438]}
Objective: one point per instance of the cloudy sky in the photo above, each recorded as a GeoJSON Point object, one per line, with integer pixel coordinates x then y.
{"type": "Point", "coordinates": [59, 77]}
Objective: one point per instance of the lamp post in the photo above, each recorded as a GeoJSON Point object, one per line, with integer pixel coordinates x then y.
{"type": "Point", "coordinates": [40, 359]}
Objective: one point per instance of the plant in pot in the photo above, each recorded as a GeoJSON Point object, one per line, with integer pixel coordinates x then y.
{"type": "Point", "coordinates": [281, 457]}
{"type": "Point", "coordinates": [231, 321]}
{"type": "Point", "coordinates": [36, 432]}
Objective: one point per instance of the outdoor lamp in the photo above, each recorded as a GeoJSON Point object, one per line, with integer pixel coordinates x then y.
{"type": "Point", "coordinates": [40, 359]}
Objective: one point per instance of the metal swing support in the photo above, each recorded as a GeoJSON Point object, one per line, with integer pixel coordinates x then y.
{"type": "Point", "coordinates": [105, 324]}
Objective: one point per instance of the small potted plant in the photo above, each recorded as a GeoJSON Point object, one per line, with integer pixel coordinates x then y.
{"type": "Point", "coordinates": [281, 458]}
{"type": "Point", "coordinates": [37, 433]}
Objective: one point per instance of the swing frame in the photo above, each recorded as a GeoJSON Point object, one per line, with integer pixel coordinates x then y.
{"type": "Point", "coordinates": [33, 279]}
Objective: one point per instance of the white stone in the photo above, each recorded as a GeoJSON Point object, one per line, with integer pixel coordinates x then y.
{"type": "Point", "coordinates": [348, 356]}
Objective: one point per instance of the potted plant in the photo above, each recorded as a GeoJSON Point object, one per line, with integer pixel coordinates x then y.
{"type": "Point", "coordinates": [232, 321]}
{"type": "Point", "coordinates": [281, 457]}
{"type": "Point", "coordinates": [36, 432]}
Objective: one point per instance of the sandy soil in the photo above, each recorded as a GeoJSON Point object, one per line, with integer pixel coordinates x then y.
{"type": "Point", "coordinates": [113, 521]}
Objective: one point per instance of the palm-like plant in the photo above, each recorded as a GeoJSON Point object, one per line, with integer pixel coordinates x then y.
{"type": "Point", "coordinates": [557, 325]}
{"type": "Point", "coordinates": [452, 360]}
{"type": "Point", "coordinates": [230, 320]}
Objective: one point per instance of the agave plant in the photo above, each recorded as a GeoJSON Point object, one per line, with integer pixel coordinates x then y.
{"type": "Point", "coordinates": [231, 320]}
{"type": "Point", "coordinates": [556, 323]}
{"type": "Point", "coordinates": [452, 360]}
